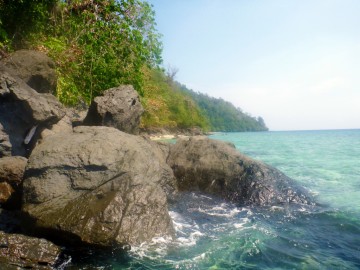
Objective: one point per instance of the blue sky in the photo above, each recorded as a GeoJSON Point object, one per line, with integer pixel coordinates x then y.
{"type": "Point", "coordinates": [296, 63]}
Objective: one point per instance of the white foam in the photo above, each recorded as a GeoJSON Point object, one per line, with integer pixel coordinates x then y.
{"type": "Point", "coordinates": [240, 225]}
{"type": "Point", "coordinates": [192, 224]}
{"type": "Point", "coordinates": [200, 257]}
{"type": "Point", "coordinates": [220, 211]}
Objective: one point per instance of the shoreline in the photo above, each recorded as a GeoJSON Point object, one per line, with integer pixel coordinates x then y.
{"type": "Point", "coordinates": [162, 134]}
{"type": "Point", "coordinates": [163, 137]}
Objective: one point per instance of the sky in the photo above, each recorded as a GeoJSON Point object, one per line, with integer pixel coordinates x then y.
{"type": "Point", "coordinates": [296, 63]}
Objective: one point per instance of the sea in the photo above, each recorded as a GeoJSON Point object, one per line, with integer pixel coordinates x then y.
{"type": "Point", "coordinates": [215, 234]}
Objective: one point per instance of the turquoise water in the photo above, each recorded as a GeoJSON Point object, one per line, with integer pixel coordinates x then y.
{"type": "Point", "coordinates": [213, 234]}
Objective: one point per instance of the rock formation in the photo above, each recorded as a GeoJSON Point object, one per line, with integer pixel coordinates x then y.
{"type": "Point", "coordinates": [22, 112]}
{"type": "Point", "coordinates": [99, 186]}
{"type": "Point", "coordinates": [119, 107]}
{"type": "Point", "coordinates": [216, 167]}
{"type": "Point", "coordinates": [35, 68]}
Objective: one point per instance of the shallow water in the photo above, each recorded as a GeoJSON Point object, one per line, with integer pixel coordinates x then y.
{"type": "Point", "coordinates": [214, 234]}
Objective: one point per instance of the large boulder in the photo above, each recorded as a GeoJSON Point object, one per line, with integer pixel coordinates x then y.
{"type": "Point", "coordinates": [100, 186]}
{"type": "Point", "coordinates": [119, 107]}
{"type": "Point", "coordinates": [216, 167]}
{"type": "Point", "coordinates": [35, 68]}
{"type": "Point", "coordinates": [22, 252]}
{"type": "Point", "coordinates": [23, 112]}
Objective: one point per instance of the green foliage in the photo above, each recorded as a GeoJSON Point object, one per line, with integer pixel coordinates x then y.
{"type": "Point", "coordinates": [167, 106]}
{"type": "Point", "coordinates": [224, 116]}
{"type": "Point", "coordinates": [96, 44]}
{"type": "Point", "coordinates": [99, 44]}
{"type": "Point", "coordinates": [20, 19]}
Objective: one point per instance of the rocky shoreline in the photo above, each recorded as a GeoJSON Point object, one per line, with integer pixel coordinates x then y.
{"type": "Point", "coordinates": [89, 179]}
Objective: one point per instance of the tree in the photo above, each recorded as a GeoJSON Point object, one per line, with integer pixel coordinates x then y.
{"type": "Point", "coordinates": [171, 72]}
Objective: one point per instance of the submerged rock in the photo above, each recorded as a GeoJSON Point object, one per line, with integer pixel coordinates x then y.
{"type": "Point", "coordinates": [100, 186]}
{"type": "Point", "coordinates": [119, 107]}
{"type": "Point", "coordinates": [216, 167]}
{"type": "Point", "coordinates": [18, 250]}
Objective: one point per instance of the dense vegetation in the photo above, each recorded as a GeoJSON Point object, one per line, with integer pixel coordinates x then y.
{"type": "Point", "coordinates": [167, 106]}
{"type": "Point", "coordinates": [223, 115]}
{"type": "Point", "coordinates": [99, 44]}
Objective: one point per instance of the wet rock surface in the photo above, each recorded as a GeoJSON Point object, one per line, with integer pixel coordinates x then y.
{"type": "Point", "coordinates": [19, 252]}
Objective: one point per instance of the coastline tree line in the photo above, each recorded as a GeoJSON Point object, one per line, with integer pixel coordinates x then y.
{"type": "Point", "coordinates": [99, 44]}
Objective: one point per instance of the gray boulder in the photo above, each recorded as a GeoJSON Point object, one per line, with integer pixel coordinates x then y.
{"type": "Point", "coordinates": [216, 167]}
{"type": "Point", "coordinates": [23, 112]}
{"type": "Point", "coordinates": [63, 126]}
{"type": "Point", "coordinates": [35, 68]}
{"type": "Point", "coordinates": [23, 252]}
{"type": "Point", "coordinates": [119, 107]}
{"type": "Point", "coordinates": [100, 186]}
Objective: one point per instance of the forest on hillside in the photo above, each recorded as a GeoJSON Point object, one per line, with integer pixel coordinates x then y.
{"type": "Point", "coordinates": [223, 115]}
{"type": "Point", "coordinates": [99, 44]}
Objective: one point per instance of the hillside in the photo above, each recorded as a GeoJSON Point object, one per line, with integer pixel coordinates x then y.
{"type": "Point", "coordinates": [97, 45]}
{"type": "Point", "coordinates": [223, 115]}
